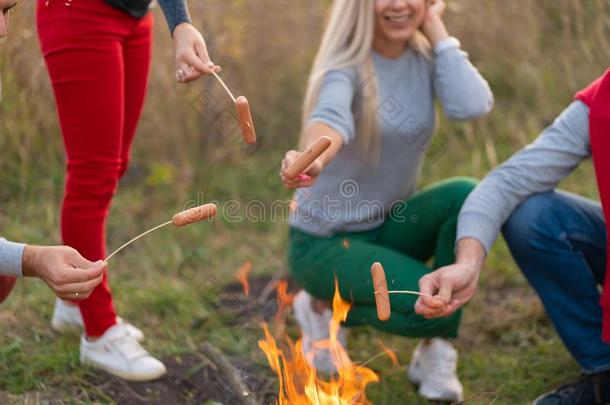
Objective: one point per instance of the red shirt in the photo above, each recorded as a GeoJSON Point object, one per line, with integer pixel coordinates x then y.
{"type": "Point", "coordinates": [597, 97]}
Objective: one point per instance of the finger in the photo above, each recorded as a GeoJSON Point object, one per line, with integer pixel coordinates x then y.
{"type": "Point", "coordinates": [291, 184]}
{"type": "Point", "coordinates": [451, 308]}
{"type": "Point", "coordinates": [204, 57]}
{"type": "Point", "coordinates": [190, 74]}
{"type": "Point", "coordinates": [307, 183]}
{"type": "Point", "coordinates": [192, 59]}
{"type": "Point", "coordinates": [429, 286]}
{"type": "Point", "coordinates": [314, 169]}
{"type": "Point", "coordinates": [303, 177]}
{"type": "Point", "coordinates": [76, 259]}
{"type": "Point", "coordinates": [79, 290]}
{"type": "Point", "coordinates": [446, 289]}
{"type": "Point", "coordinates": [79, 275]}
{"type": "Point", "coordinates": [183, 71]}
{"type": "Point", "coordinates": [429, 311]}
{"type": "Point", "coordinates": [288, 159]}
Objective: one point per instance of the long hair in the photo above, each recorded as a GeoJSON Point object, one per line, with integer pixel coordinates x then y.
{"type": "Point", "coordinates": [347, 43]}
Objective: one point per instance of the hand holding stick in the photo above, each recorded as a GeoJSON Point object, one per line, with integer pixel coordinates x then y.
{"type": "Point", "coordinates": [382, 295]}
{"type": "Point", "coordinates": [190, 216]}
{"type": "Point", "coordinates": [313, 152]}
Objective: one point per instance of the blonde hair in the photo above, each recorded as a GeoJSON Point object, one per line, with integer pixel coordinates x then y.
{"type": "Point", "coordinates": [347, 43]}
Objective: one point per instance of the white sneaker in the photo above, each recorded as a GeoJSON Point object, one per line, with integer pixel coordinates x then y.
{"type": "Point", "coordinates": [315, 328]}
{"type": "Point", "coordinates": [433, 367]}
{"type": "Point", "coordinates": [68, 317]}
{"type": "Point", "coordinates": [119, 353]}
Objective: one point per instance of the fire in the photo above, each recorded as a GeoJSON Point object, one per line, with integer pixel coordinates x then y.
{"type": "Point", "coordinates": [242, 276]}
{"type": "Point", "coordinates": [389, 352]}
{"type": "Point", "coordinates": [299, 383]}
{"type": "Point", "coordinates": [284, 300]}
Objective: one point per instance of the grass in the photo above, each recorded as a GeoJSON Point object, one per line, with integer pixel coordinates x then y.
{"type": "Point", "coordinates": [535, 54]}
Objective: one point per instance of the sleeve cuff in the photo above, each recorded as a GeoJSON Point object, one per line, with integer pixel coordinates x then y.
{"type": "Point", "coordinates": [11, 254]}
{"type": "Point", "coordinates": [446, 45]}
{"type": "Point", "coordinates": [477, 226]}
{"type": "Point", "coordinates": [173, 24]}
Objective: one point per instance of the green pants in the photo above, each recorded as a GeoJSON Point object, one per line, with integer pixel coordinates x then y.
{"type": "Point", "coordinates": [420, 229]}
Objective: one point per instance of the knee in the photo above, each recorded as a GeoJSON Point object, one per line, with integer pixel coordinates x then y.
{"type": "Point", "coordinates": [93, 180]}
{"type": "Point", "coordinates": [459, 188]}
{"type": "Point", "coordinates": [532, 219]}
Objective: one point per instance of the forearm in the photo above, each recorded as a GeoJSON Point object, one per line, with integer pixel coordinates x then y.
{"type": "Point", "coordinates": [471, 252]}
{"type": "Point", "coordinates": [535, 169]}
{"type": "Point", "coordinates": [316, 130]}
{"type": "Point", "coordinates": [11, 258]}
{"type": "Point", "coordinates": [29, 261]}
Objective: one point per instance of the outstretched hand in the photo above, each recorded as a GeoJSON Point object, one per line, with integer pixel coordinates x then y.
{"type": "Point", "coordinates": [307, 178]}
{"type": "Point", "coordinates": [192, 59]}
{"type": "Point", "coordinates": [450, 287]}
{"type": "Point", "coordinates": [70, 276]}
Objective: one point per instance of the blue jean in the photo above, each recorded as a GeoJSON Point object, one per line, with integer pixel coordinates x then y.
{"type": "Point", "coordinates": [559, 242]}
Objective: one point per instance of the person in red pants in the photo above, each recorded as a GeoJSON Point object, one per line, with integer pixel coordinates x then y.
{"type": "Point", "coordinates": [98, 56]}
{"type": "Point", "coordinates": [64, 270]}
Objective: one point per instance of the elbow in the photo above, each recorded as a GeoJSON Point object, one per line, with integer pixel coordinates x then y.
{"type": "Point", "coordinates": [474, 109]}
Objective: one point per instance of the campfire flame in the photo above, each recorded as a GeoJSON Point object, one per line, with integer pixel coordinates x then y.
{"type": "Point", "coordinates": [242, 276]}
{"type": "Point", "coordinates": [389, 352]}
{"type": "Point", "coordinates": [299, 383]}
{"type": "Point", "coordinates": [284, 300]}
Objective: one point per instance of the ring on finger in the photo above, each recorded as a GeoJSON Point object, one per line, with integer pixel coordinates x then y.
{"type": "Point", "coordinates": [180, 75]}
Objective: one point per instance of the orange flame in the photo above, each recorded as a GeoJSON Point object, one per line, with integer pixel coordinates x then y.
{"type": "Point", "coordinates": [389, 352]}
{"type": "Point", "coordinates": [346, 244]}
{"type": "Point", "coordinates": [284, 300]}
{"type": "Point", "coordinates": [242, 276]}
{"type": "Point", "coordinates": [299, 383]}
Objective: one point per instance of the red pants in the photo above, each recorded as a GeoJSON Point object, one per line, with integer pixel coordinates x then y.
{"type": "Point", "coordinates": [6, 285]}
{"type": "Point", "coordinates": [98, 60]}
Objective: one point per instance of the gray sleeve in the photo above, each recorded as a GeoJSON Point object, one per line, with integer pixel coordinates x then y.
{"type": "Point", "coordinates": [176, 12]}
{"type": "Point", "coordinates": [462, 91]}
{"type": "Point", "coordinates": [10, 258]}
{"type": "Point", "coordinates": [537, 168]}
{"type": "Point", "coordinates": [334, 106]}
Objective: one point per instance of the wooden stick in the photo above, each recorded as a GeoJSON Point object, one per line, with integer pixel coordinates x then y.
{"type": "Point", "coordinates": [232, 376]}
{"type": "Point", "coordinates": [224, 85]}
{"type": "Point", "coordinates": [136, 238]}
{"type": "Point", "coordinates": [185, 217]}
{"type": "Point", "coordinates": [405, 292]}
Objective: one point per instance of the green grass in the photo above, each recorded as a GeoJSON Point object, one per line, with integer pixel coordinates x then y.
{"type": "Point", "coordinates": [535, 55]}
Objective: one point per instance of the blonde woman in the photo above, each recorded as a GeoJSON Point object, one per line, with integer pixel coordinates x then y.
{"type": "Point", "coordinates": [380, 68]}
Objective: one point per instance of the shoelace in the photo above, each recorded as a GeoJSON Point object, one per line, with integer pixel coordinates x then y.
{"type": "Point", "coordinates": [128, 346]}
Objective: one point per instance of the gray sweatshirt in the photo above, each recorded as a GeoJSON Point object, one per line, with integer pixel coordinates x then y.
{"type": "Point", "coordinates": [354, 194]}
{"type": "Point", "coordinates": [537, 168]}
{"type": "Point", "coordinates": [10, 258]}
